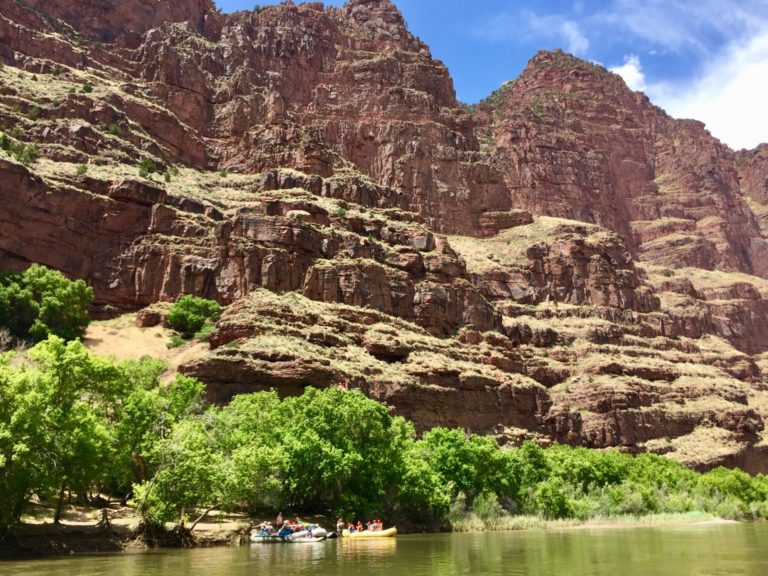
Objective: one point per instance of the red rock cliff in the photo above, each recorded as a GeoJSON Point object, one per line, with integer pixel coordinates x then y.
{"type": "Point", "coordinates": [562, 262]}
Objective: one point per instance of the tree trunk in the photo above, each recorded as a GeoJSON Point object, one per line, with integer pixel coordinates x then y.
{"type": "Point", "coordinates": [59, 504]}
{"type": "Point", "coordinates": [141, 467]}
{"type": "Point", "coordinates": [104, 523]}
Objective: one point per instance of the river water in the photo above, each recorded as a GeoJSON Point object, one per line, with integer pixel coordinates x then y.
{"type": "Point", "coordinates": [677, 551]}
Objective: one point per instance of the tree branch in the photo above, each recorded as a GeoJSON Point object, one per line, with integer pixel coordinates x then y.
{"type": "Point", "coordinates": [203, 515]}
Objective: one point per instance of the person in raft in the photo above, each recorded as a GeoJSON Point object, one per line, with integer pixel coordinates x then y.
{"type": "Point", "coordinates": [360, 526]}
{"type": "Point", "coordinates": [340, 526]}
{"type": "Point", "coordinates": [279, 522]}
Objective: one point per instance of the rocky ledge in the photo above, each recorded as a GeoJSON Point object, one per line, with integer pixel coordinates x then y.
{"type": "Point", "coordinates": [562, 262]}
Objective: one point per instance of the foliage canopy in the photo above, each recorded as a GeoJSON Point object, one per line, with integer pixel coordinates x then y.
{"type": "Point", "coordinates": [40, 302]}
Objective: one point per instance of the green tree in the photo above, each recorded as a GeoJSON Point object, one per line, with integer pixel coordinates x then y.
{"type": "Point", "coordinates": [40, 302]}
{"type": "Point", "coordinates": [345, 452]}
{"type": "Point", "coordinates": [190, 475]}
{"type": "Point", "coordinates": [143, 414]}
{"type": "Point", "coordinates": [54, 434]}
{"type": "Point", "coordinates": [190, 313]}
{"type": "Point", "coordinates": [63, 303]}
{"type": "Point", "coordinates": [471, 465]}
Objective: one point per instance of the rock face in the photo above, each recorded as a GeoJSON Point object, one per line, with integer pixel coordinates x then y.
{"type": "Point", "coordinates": [126, 22]}
{"type": "Point", "coordinates": [315, 88]}
{"type": "Point", "coordinates": [608, 156]}
{"type": "Point", "coordinates": [563, 261]}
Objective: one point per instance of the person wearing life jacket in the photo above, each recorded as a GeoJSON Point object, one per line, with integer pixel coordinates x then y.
{"type": "Point", "coordinates": [360, 526]}
{"type": "Point", "coordinates": [340, 526]}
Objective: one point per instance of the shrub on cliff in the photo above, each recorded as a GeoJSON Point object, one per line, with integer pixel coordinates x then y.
{"type": "Point", "coordinates": [191, 313]}
{"type": "Point", "coordinates": [146, 168]}
{"type": "Point", "coordinates": [40, 302]}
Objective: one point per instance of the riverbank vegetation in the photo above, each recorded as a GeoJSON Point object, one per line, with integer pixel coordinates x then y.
{"type": "Point", "coordinates": [73, 425]}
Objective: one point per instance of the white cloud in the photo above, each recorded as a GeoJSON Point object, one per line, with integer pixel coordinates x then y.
{"type": "Point", "coordinates": [718, 50]}
{"type": "Point", "coordinates": [729, 96]}
{"type": "Point", "coordinates": [577, 42]}
{"type": "Point", "coordinates": [682, 25]}
{"type": "Point", "coordinates": [529, 25]}
{"type": "Point", "coordinates": [632, 72]}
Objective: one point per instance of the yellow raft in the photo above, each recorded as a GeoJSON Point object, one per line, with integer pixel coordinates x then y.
{"type": "Point", "coordinates": [388, 533]}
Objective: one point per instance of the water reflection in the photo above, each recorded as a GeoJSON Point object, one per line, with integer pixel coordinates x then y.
{"type": "Point", "coordinates": [275, 555]}
{"type": "Point", "coordinates": [682, 551]}
{"type": "Point", "coordinates": [374, 549]}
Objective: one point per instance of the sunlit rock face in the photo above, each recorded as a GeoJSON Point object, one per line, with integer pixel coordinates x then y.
{"type": "Point", "coordinates": [563, 261]}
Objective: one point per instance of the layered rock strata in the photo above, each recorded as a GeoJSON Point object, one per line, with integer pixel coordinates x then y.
{"type": "Point", "coordinates": [563, 261]}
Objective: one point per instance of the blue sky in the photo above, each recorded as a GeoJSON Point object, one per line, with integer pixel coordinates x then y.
{"type": "Point", "coordinates": [703, 59]}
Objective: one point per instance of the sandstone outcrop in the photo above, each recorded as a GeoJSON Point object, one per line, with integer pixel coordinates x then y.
{"type": "Point", "coordinates": [563, 261]}
{"type": "Point", "coordinates": [574, 142]}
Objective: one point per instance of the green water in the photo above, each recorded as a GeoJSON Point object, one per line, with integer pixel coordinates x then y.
{"type": "Point", "coordinates": [678, 551]}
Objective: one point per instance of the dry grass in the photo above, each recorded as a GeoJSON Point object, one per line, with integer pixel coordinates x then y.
{"type": "Point", "coordinates": [286, 322]}
{"type": "Point", "coordinates": [709, 280]}
{"type": "Point", "coordinates": [508, 248]}
{"type": "Point", "coordinates": [121, 339]}
{"type": "Point", "coordinates": [471, 523]}
{"type": "Point", "coordinates": [704, 446]}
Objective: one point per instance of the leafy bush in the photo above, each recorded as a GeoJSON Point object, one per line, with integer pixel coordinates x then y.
{"type": "Point", "coordinates": [87, 88]}
{"type": "Point", "coordinates": [114, 130]}
{"type": "Point", "coordinates": [29, 154]}
{"type": "Point", "coordinates": [146, 167]}
{"type": "Point", "coordinates": [24, 153]}
{"type": "Point", "coordinates": [551, 500]}
{"type": "Point", "coordinates": [40, 302]}
{"type": "Point", "coordinates": [734, 483]}
{"type": "Point", "coordinates": [81, 169]}
{"type": "Point", "coordinates": [190, 313]}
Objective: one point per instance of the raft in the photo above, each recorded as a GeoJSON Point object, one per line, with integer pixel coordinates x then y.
{"type": "Point", "coordinates": [304, 540]}
{"type": "Point", "coordinates": [315, 535]}
{"type": "Point", "coordinates": [388, 533]}
{"type": "Point", "coordinates": [257, 538]}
